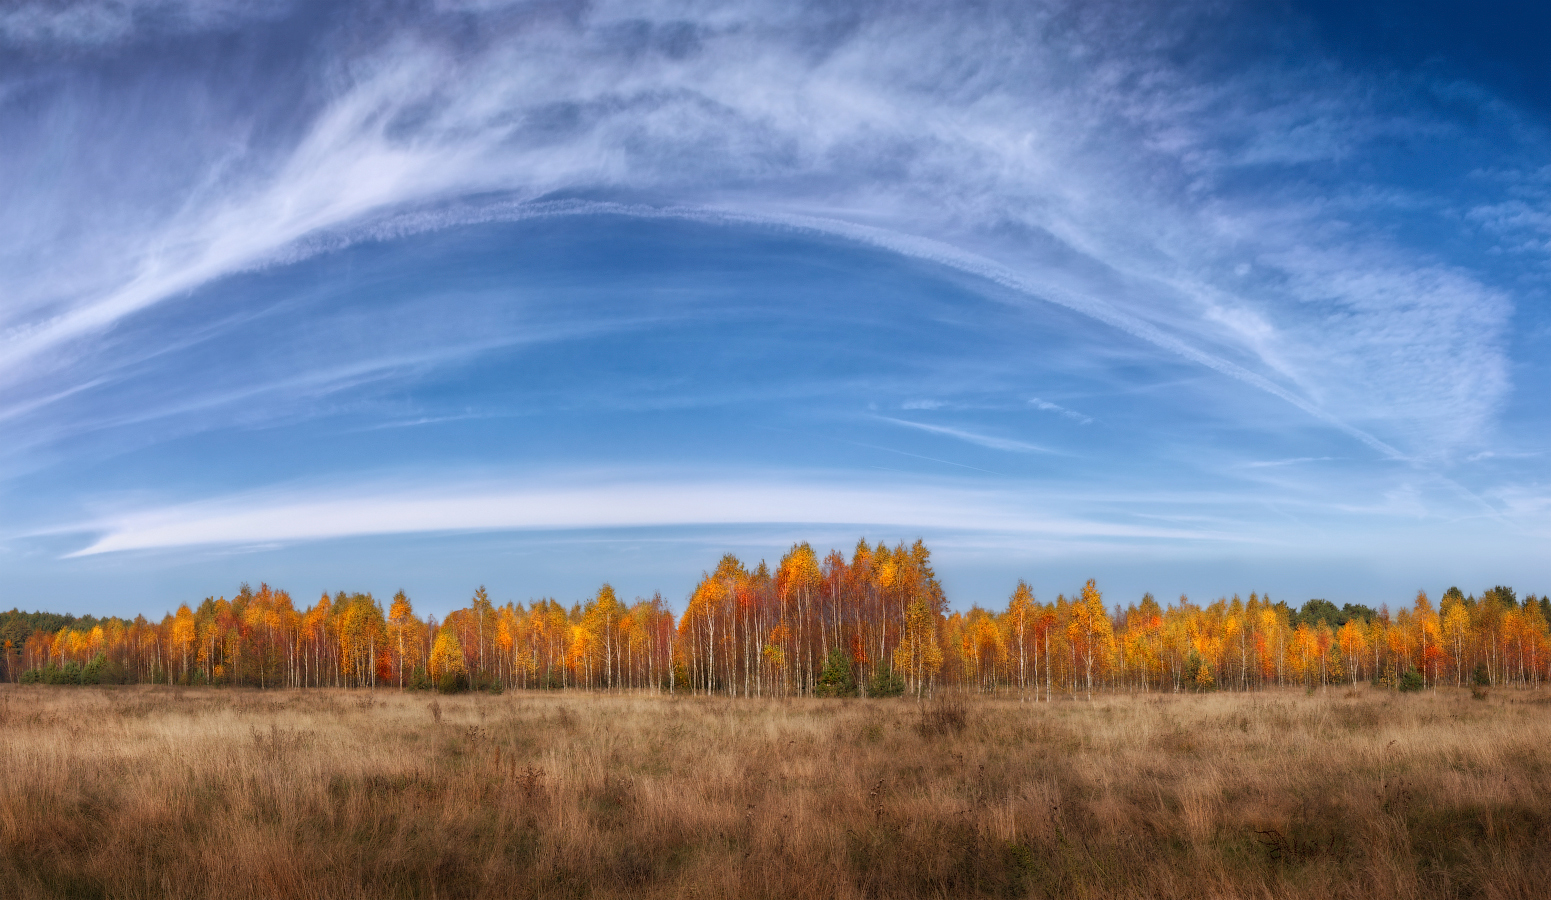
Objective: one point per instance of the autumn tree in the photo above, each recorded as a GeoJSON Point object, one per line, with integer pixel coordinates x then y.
{"type": "Point", "coordinates": [1020, 625]}
{"type": "Point", "coordinates": [447, 669]}
{"type": "Point", "coordinates": [1090, 631]}
{"type": "Point", "coordinates": [919, 654]}
{"type": "Point", "coordinates": [797, 581]}
{"type": "Point", "coordinates": [403, 632]}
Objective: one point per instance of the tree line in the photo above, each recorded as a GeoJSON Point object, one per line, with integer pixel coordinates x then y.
{"type": "Point", "coordinates": [874, 624]}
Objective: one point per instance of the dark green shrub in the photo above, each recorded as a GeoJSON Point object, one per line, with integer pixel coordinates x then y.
{"type": "Point", "coordinates": [69, 673]}
{"type": "Point", "coordinates": [836, 679]}
{"type": "Point", "coordinates": [32, 676]}
{"type": "Point", "coordinates": [1481, 676]}
{"type": "Point", "coordinates": [1412, 681]}
{"type": "Point", "coordinates": [418, 680]}
{"type": "Point", "coordinates": [92, 674]}
{"type": "Point", "coordinates": [453, 683]}
{"type": "Point", "coordinates": [1198, 674]}
{"type": "Point", "coordinates": [885, 683]}
{"type": "Point", "coordinates": [113, 672]}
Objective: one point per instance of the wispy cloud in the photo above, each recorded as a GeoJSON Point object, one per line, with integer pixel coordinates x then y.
{"type": "Point", "coordinates": [53, 23]}
{"type": "Point", "coordinates": [1504, 454]}
{"type": "Point", "coordinates": [867, 126]}
{"type": "Point", "coordinates": [1047, 406]}
{"type": "Point", "coordinates": [1277, 463]}
{"type": "Point", "coordinates": [423, 420]}
{"type": "Point", "coordinates": [982, 440]}
{"type": "Point", "coordinates": [569, 502]}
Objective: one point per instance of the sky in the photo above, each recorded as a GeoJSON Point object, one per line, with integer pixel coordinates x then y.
{"type": "Point", "coordinates": [1198, 298]}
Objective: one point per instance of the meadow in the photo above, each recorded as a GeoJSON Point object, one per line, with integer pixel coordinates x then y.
{"type": "Point", "coordinates": [141, 791]}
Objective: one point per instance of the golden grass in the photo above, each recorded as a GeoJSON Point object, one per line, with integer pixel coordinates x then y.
{"type": "Point", "coordinates": [158, 792]}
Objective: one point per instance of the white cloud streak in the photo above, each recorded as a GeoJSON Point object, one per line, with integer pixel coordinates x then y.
{"type": "Point", "coordinates": [56, 23]}
{"type": "Point", "coordinates": [1058, 409]}
{"type": "Point", "coordinates": [969, 437]}
{"type": "Point", "coordinates": [1277, 463]}
{"type": "Point", "coordinates": [568, 503]}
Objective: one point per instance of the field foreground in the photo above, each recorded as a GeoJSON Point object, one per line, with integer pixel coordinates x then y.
{"type": "Point", "coordinates": [158, 792]}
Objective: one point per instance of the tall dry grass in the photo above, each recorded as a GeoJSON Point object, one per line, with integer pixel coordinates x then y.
{"type": "Point", "coordinates": [156, 792]}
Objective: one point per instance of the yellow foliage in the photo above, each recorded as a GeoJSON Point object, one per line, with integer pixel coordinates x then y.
{"type": "Point", "coordinates": [447, 655]}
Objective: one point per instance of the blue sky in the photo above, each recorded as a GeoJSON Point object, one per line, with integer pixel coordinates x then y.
{"type": "Point", "coordinates": [533, 295]}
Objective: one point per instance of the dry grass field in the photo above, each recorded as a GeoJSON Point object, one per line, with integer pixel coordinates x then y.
{"type": "Point", "coordinates": [158, 792]}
